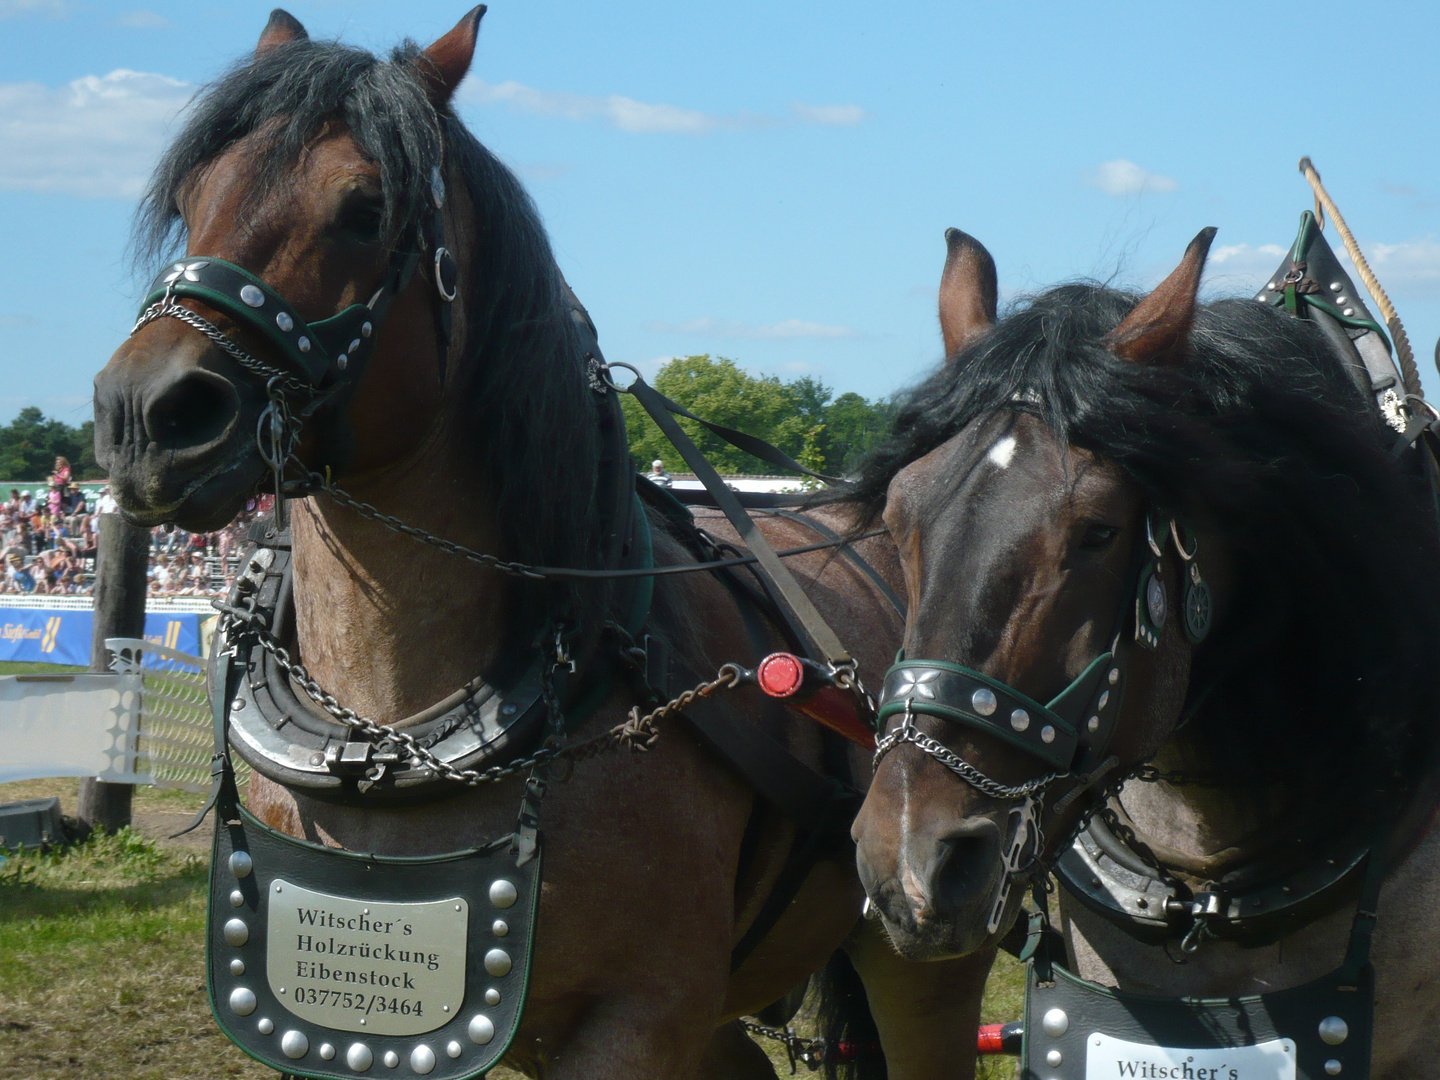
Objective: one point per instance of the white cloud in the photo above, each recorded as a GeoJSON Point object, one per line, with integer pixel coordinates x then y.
{"type": "Point", "coordinates": [1412, 267]}
{"type": "Point", "coordinates": [624, 113]}
{"type": "Point", "coordinates": [840, 115]}
{"type": "Point", "coordinates": [12, 9]}
{"type": "Point", "coordinates": [98, 137]}
{"type": "Point", "coordinates": [540, 171]}
{"type": "Point", "coordinates": [1233, 267]}
{"type": "Point", "coordinates": [641, 117]}
{"type": "Point", "coordinates": [142, 20]}
{"type": "Point", "coordinates": [789, 329]}
{"type": "Point", "coordinates": [1242, 253]}
{"type": "Point", "coordinates": [1121, 177]}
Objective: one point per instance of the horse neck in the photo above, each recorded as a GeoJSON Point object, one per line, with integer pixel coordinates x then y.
{"type": "Point", "coordinates": [1201, 821]}
{"type": "Point", "coordinates": [387, 623]}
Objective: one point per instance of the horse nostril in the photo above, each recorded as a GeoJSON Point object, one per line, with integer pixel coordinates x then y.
{"type": "Point", "coordinates": [964, 864]}
{"type": "Point", "coordinates": [194, 410]}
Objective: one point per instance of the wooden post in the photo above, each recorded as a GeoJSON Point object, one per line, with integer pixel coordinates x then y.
{"type": "Point", "coordinates": [122, 562]}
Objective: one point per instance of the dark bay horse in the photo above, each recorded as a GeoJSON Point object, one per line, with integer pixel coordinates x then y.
{"type": "Point", "coordinates": [312, 167]}
{"type": "Point", "coordinates": [1289, 711]}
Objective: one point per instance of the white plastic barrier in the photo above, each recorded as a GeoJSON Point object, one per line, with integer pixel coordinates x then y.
{"type": "Point", "coordinates": [70, 725]}
{"type": "Point", "coordinates": [148, 723]}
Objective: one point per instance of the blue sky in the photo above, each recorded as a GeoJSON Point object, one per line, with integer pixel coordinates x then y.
{"type": "Point", "coordinates": [772, 181]}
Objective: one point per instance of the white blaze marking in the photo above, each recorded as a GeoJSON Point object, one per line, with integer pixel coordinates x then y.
{"type": "Point", "coordinates": [1002, 451]}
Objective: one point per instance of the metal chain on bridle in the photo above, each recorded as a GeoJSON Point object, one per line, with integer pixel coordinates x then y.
{"type": "Point", "coordinates": [637, 733]}
{"type": "Point", "coordinates": [167, 308]}
{"type": "Point", "coordinates": [907, 732]}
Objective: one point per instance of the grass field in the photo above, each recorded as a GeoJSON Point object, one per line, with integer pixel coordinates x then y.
{"type": "Point", "coordinates": [102, 954]}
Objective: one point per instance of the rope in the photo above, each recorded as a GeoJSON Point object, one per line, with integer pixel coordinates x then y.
{"type": "Point", "coordinates": [1326, 205]}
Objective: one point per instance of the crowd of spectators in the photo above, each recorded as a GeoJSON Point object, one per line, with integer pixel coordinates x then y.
{"type": "Point", "coordinates": [48, 541]}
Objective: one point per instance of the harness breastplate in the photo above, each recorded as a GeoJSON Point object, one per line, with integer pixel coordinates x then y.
{"type": "Point", "coordinates": [281, 734]}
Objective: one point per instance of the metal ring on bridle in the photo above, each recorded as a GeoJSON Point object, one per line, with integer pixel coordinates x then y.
{"type": "Point", "coordinates": [1157, 548]}
{"type": "Point", "coordinates": [442, 253]}
{"type": "Point", "coordinates": [1415, 399]}
{"type": "Point", "coordinates": [1180, 546]}
{"type": "Point", "coordinates": [605, 370]}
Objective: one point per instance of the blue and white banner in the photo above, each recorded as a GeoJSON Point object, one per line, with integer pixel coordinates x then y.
{"type": "Point", "coordinates": [63, 637]}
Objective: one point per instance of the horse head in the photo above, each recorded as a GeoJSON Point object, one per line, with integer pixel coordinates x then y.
{"type": "Point", "coordinates": [1123, 523]}
{"type": "Point", "coordinates": [294, 193]}
{"type": "Point", "coordinates": [1052, 506]}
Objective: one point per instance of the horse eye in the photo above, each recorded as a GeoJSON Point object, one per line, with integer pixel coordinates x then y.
{"type": "Point", "coordinates": [1099, 536]}
{"type": "Point", "coordinates": [362, 218]}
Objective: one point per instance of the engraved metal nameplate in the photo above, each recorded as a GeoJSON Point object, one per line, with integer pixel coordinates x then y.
{"type": "Point", "coordinates": [366, 966]}
{"type": "Point", "coordinates": [1108, 1058]}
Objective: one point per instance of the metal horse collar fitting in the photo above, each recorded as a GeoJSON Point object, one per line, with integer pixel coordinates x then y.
{"type": "Point", "coordinates": [325, 749]}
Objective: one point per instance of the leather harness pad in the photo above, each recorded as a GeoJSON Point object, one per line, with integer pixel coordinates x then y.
{"type": "Point", "coordinates": [1196, 1023]}
{"type": "Point", "coordinates": [247, 998]}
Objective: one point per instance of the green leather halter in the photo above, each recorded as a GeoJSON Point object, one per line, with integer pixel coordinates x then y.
{"type": "Point", "coordinates": [314, 352]}
{"type": "Point", "coordinates": [317, 358]}
{"type": "Point", "coordinates": [1071, 733]}
{"type": "Point", "coordinates": [1081, 715]}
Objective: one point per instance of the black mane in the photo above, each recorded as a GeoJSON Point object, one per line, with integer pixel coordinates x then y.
{"type": "Point", "coordinates": [1328, 660]}
{"type": "Point", "coordinates": [517, 395]}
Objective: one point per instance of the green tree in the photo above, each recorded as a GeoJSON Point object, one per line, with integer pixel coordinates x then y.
{"type": "Point", "coordinates": [722, 393]}
{"type": "Point", "coordinates": [855, 427]}
{"type": "Point", "coordinates": [798, 416]}
{"type": "Point", "coordinates": [30, 443]}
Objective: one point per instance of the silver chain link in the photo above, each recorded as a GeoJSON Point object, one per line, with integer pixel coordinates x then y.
{"type": "Point", "coordinates": [351, 719]}
{"type": "Point", "coordinates": [166, 308]}
{"type": "Point", "coordinates": [638, 732]}
{"type": "Point", "coordinates": [907, 732]}
{"type": "Point", "coordinates": [364, 509]}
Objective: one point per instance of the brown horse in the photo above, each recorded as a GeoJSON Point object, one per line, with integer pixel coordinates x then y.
{"type": "Point", "coordinates": [1202, 496]}
{"type": "Point", "coordinates": [309, 166]}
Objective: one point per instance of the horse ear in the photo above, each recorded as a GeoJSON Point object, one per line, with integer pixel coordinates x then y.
{"type": "Point", "coordinates": [445, 63]}
{"type": "Point", "coordinates": [1155, 332]}
{"type": "Point", "coordinates": [282, 29]}
{"type": "Point", "coordinates": [968, 292]}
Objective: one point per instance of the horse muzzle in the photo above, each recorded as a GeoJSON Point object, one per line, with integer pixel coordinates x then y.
{"type": "Point", "coordinates": [176, 438]}
{"type": "Point", "coordinates": [934, 885]}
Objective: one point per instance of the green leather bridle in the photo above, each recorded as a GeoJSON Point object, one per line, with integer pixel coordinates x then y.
{"type": "Point", "coordinates": [313, 361]}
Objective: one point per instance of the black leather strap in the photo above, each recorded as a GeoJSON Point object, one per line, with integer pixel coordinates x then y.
{"type": "Point", "coordinates": [851, 555]}
{"type": "Point", "coordinates": [753, 446]}
{"type": "Point", "coordinates": [799, 612]}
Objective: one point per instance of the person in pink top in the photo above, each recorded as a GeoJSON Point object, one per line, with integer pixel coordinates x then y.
{"type": "Point", "coordinates": [59, 481]}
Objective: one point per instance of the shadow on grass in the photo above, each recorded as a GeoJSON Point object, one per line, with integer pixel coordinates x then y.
{"type": "Point", "coordinates": [26, 900]}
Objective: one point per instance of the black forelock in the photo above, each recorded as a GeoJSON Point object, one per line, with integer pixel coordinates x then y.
{"type": "Point", "coordinates": [285, 97]}
{"type": "Point", "coordinates": [1329, 650]}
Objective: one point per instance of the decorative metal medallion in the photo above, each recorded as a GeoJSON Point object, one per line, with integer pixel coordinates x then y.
{"type": "Point", "coordinates": [336, 962]}
{"type": "Point", "coordinates": [1199, 607]}
{"type": "Point", "coordinates": [1155, 605]}
{"type": "Point", "coordinates": [1152, 607]}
